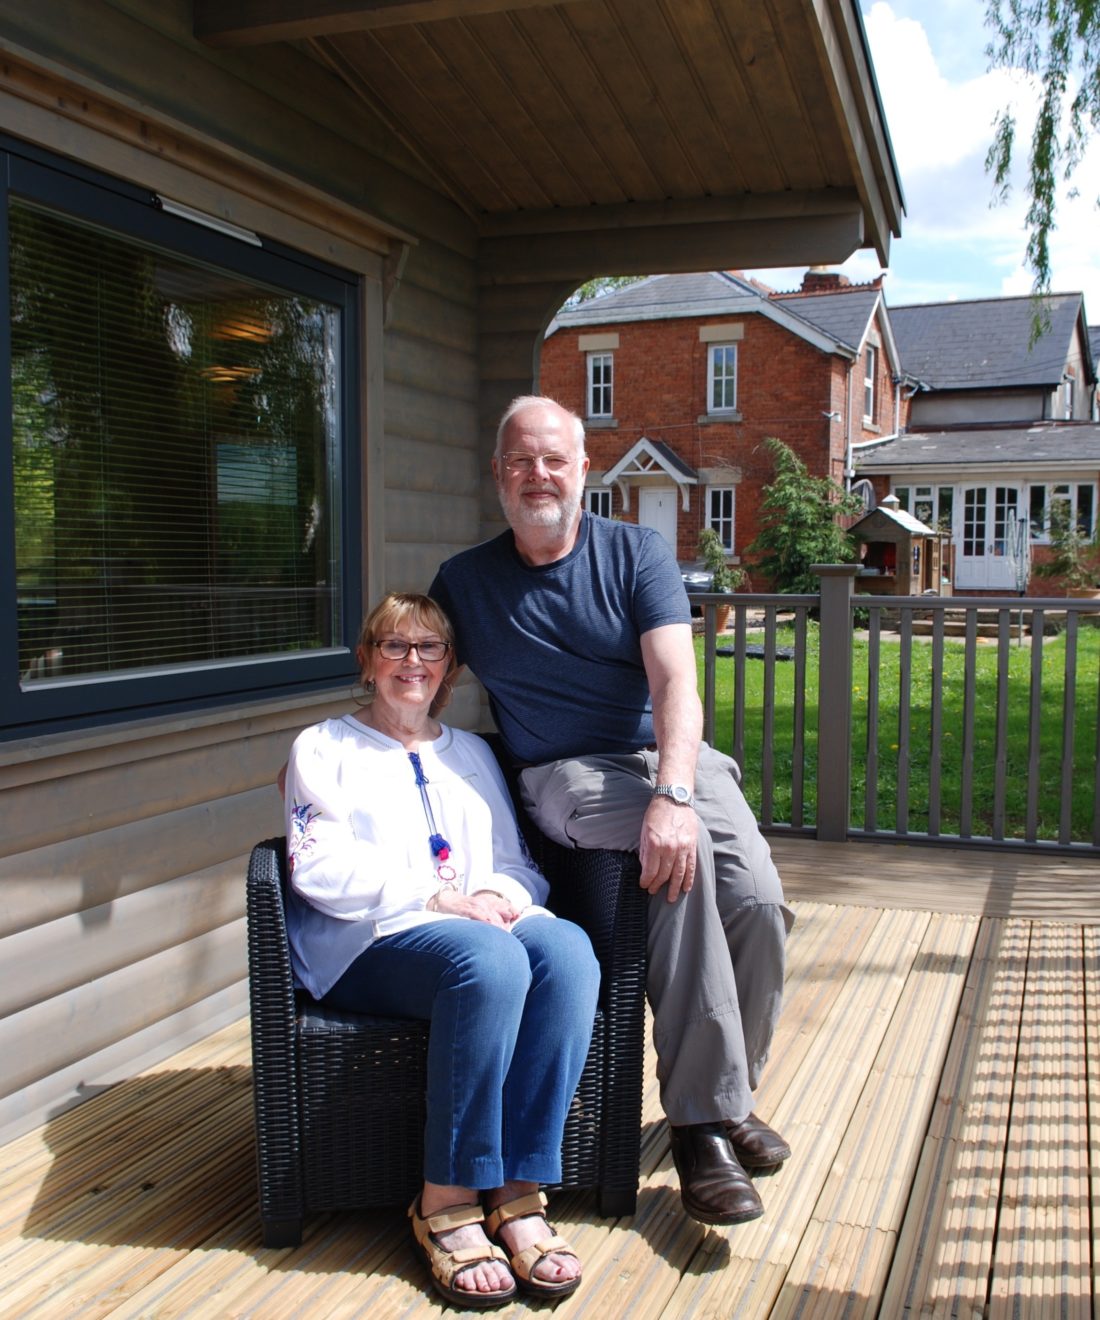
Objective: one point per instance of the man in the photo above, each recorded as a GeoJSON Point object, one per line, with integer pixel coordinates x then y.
{"type": "Point", "coordinates": [579, 628]}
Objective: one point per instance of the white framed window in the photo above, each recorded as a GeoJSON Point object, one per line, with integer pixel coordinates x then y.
{"type": "Point", "coordinates": [601, 392]}
{"type": "Point", "coordinates": [722, 378]}
{"type": "Point", "coordinates": [870, 364]}
{"type": "Point", "coordinates": [1068, 384]}
{"type": "Point", "coordinates": [597, 500]}
{"type": "Point", "coordinates": [932, 505]}
{"type": "Point", "coordinates": [1078, 496]}
{"type": "Point", "coordinates": [720, 513]}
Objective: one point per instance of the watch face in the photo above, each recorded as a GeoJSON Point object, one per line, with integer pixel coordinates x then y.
{"type": "Point", "coordinates": [680, 793]}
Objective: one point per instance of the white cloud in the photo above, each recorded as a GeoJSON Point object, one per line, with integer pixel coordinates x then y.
{"type": "Point", "coordinates": [941, 103]}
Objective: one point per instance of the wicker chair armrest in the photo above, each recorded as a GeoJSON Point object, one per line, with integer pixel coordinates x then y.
{"type": "Point", "coordinates": [274, 1035]}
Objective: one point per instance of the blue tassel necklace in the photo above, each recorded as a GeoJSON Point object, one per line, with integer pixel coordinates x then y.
{"type": "Point", "coordinates": [441, 849]}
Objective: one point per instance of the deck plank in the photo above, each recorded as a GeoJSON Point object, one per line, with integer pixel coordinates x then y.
{"type": "Point", "coordinates": [863, 1203]}
{"type": "Point", "coordinates": [947, 1242]}
{"type": "Point", "coordinates": [938, 1040]}
{"type": "Point", "coordinates": [1042, 1236]}
{"type": "Point", "coordinates": [814, 1113]}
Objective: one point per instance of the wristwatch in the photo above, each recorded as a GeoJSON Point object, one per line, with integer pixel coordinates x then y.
{"type": "Point", "coordinates": [677, 792]}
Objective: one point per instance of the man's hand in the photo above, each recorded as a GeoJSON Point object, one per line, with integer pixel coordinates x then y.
{"type": "Point", "coordinates": [486, 905]}
{"type": "Point", "coordinates": [667, 849]}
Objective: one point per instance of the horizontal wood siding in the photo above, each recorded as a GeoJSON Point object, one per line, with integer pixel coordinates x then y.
{"type": "Point", "coordinates": [123, 854]}
{"type": "Point", "coordinates": [122, 891]}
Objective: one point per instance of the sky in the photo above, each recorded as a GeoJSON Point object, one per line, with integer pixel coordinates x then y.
{"type": "Point", "coordinates": [940, 103]}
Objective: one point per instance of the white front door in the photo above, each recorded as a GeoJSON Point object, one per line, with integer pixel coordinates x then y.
{"type": "Point", "coordinates": [657, 509]}
{"type": "Point", "coordinates": [982, 561]}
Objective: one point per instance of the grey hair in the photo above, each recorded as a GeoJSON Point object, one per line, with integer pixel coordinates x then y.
{"type": "Point", "coordinates": [525, 401]}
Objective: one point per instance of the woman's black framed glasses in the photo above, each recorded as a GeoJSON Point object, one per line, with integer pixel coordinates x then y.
{"type": "Point", "coordinates": [394, 648]}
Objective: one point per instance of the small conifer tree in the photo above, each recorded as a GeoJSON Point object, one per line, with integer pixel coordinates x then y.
{"type": "Point", "coordinates": [798, 523]}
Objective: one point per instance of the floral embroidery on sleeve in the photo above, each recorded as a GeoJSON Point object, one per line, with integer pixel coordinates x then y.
{"type": "Point", "coordinates": [302, 816]}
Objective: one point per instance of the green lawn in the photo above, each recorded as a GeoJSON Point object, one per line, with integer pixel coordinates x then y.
{"type": "Point", "coordinates": [951, 756]}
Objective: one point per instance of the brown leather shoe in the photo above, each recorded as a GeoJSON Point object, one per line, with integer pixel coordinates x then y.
{"type": "Point", "coordinates": [756, 1145]}
{"type": "Point", "coordinates": [714, 1188]}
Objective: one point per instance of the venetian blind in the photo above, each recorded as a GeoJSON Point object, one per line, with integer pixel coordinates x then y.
{"type": "Point", "coordinates": [175, 444]}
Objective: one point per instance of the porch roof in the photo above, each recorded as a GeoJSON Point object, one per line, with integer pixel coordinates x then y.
{"type": "Point", "coordinates": [617, 128]}
{"type": "Point", "coordinates": [1040, 445]}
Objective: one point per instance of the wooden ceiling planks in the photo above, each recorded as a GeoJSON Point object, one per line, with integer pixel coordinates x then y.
{"type": "Point", "coordinates": [694, 152]}
{"type": "Point", "coordinates": [530, 109]}
{"type": "Point", "coordinates": [627, 172]}
{"type": "Point", "coordinates": [615, 40]}
{"type": "Point", "coordinates": [535, 106]}
{"type": "Point", "coordinates": [705, 35]}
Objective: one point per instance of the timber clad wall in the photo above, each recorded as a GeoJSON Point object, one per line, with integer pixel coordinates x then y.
{"type": "Point", "coordinates": [112, 953]}
{"type": "Point", "coordinates": [123, 852]}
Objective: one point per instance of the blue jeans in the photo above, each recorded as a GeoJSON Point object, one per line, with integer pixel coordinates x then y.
{"type": "Point", "coordinates": [511, 1019]}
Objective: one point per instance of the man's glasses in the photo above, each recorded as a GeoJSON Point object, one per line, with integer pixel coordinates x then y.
{"type": "Point", "coordinates": [395, 649]}
{"type": "Point", "coordinates": [517, 462]}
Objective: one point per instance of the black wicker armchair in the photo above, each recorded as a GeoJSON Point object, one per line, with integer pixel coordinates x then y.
{"type": "Point", "coordinates": [339, 1097]}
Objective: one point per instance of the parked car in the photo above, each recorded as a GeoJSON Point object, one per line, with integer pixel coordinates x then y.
{"type": "Point", "coordinates": [695, 578]}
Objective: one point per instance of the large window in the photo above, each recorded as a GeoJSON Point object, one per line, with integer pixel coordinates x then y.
{"type": "Point", "coordinates": [720, 508]}
{"type": "Point", "coordinates": [722, 378]}
{"type": "Point", "coordinates": [601, 394]}
{"type": "Point", "coordinates": [1077, 498]}
{"type": "Point", "coordinates": [932, 505]}
{"type": "Point", "coordinates": [175, 442]}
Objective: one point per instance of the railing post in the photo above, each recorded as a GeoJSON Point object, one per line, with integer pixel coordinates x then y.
{"type": "Point", "coordinates": [834, 700]}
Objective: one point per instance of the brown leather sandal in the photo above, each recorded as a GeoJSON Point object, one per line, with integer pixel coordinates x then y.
{"type": "Point", "coordinates": [523, 1262]}
{"type": "Point", "coordinates": [446, 1265]}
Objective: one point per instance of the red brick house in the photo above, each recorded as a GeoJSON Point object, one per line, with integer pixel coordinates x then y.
{"type": "Point", "coordinates": [681, 378]}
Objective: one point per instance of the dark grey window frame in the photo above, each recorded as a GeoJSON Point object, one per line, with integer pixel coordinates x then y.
{"type": "Point", "coordinates": [38, 176]}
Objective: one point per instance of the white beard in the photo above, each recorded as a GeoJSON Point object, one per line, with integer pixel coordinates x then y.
{"type": "Point", "coordinates": [557, 516]}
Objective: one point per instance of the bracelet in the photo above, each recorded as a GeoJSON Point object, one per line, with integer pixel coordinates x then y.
{"type": "Point", "coordinates": [430, 906]}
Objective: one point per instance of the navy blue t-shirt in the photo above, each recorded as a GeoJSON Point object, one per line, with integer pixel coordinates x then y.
{"type": "Point", "coordinates": [557, 646]}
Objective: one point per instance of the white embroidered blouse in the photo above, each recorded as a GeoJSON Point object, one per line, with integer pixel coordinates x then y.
{"type": "Point", "coordinates": [361, 864]}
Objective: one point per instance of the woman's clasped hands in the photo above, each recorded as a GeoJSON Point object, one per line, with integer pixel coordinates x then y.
{"type": "Point", "coordinates": [486, 905]}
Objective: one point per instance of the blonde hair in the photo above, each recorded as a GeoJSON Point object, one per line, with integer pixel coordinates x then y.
{"type": "Point", "coordinates": [393, 610]}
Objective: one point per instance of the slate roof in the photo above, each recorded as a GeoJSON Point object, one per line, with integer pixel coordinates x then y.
{"type": "Point", "coordinates": [1043, 444]}
{"type": "Point", "coordinates": [723, 293]}
{"type": "Point", "coordinates": [984, 343]}
{"type": "Point", "coordinates": [673, 459]}
{"type": "Point", "coordinates": [660, 297]}
{"type": "Point", "coordinates": [844, 316]}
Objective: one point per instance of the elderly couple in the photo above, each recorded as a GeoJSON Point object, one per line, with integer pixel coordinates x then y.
{"type": "Point", "coordinates": [413, 894]}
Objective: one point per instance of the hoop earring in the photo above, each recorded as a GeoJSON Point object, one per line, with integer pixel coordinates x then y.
{"type": "Point", "coordinates": [369, 692]}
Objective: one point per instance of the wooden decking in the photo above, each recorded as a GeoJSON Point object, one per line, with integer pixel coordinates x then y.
{"type": "Point", "coordinates": [936, 1071]}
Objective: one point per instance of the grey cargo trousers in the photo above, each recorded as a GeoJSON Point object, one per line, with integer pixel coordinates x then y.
{"type": "Point", "coordinates": [716, 955]}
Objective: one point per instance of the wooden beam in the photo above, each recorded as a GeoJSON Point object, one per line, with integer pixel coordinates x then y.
{"type": "Point", "coordinates": [226, 23]}
{"type": "Point", "coordinates": [850, 77]}
{"type": "Point", "coordinates": [669, 248]}
{"type": "Point", "coordinates": [787, 205]}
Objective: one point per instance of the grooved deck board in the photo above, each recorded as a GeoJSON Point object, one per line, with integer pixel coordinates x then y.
{"type": "Point", "coordinates": [935, 1070]}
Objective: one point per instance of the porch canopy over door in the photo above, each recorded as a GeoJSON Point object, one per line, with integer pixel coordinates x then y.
{"type": "Point", "coordinates": [590, 137]}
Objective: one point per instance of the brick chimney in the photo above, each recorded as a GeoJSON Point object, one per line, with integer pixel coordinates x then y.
{"type": "Point", "coordinates": [819, 280]}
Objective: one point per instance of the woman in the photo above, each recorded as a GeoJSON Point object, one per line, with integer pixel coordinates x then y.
{"type": "Point", "coordinates": [412, 894]}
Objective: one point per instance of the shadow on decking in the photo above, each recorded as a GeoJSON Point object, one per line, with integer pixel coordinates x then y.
{"type": "Point", "coordinates": [159, 1144]}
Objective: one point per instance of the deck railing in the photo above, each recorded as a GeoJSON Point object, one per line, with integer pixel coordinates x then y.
{"type": "Point", "coordinates": [942, 720]}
